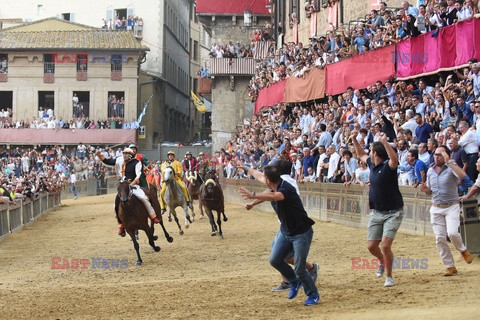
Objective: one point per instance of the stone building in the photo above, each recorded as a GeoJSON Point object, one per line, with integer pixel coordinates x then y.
{"type": "Point", "coordinates": [50, 61]}
{"type": "Point", "coordinates": [231, 22]}
{"type": "Point", "coordinates": [165, 74]}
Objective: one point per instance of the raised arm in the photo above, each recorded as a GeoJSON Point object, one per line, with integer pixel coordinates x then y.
{"type": "Point", "coordinates": [362, 155]}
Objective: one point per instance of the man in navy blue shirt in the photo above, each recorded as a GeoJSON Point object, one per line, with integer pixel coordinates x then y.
{"type": "Point", "coordinates": [308, 161]}
{"type": "Point", "coordinates": [295, 234]}
{"type": "Point", "coordinates": [385, 200]}
{"type": "Point", "coordinates": [424, 131]}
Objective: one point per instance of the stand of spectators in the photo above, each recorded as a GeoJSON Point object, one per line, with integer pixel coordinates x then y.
{"type": "Point", "coordinates": [417, 116]}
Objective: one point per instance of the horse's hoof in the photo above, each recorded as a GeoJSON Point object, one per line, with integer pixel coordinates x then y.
{"type": "Point", "coordinates": [202, 216]}
{"type": "Point", "coordinates": [225, 219]}
{"type": "Point", "coordinates": [181, 232]}
{"type": "Point", "coordinates": [187, 225]}
{"type": "Point", "coordinates": [169, 219]}
{"type": "Point", "coordinates": [155, 238]}
{"type": "Point", "coordinates": [221, 237]}
{"type": "Point", "coordinates": [170, 239]}
{"type": "Point", "coordinates": [157, 248]}
{"type": "Point", "coordinates": [213, 234]}
{"type": "Point", "coordinates": [138, 263]}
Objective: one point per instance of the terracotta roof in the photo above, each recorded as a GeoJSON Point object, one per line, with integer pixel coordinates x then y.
{"type": "Point", "coordinates": [80, 39]}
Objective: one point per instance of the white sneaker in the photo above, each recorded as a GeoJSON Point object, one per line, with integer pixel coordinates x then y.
{"type": "Point", "coordinates": [388, 282]}
{"type": "Point", "coordinates": [380, 270]}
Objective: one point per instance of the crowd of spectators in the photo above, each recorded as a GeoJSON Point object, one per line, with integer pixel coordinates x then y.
{"type": "Point", "coordinates": [75, 123]}
{"type": "Point", "coordinates": [383, 27]}
{"type": "Point", "coordinates": [122, 23]}
{"type": "Point", "coordinates": [28, 171]}
{"type": "Point", "coordinates": [417, 116]}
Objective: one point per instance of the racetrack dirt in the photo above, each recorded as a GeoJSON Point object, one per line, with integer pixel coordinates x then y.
{"type": "Point", "coordinates": [202, 277]}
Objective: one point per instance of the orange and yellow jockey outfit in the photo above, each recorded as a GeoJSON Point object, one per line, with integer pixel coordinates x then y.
{"type": "Point", "coordinates": [178, 169]}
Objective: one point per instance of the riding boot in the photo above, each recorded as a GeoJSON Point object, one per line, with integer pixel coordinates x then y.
{"type": "Point", "coordinates": [154, 218]}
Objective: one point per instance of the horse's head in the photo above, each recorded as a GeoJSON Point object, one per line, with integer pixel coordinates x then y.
{"type": "Point", "coordinates": [193, 178]}
{"type": "Point", "coordinates": [124, 191]}
{"type": "Point", "coordinates": [210, 185]}
{"type": "Point", "coordinates": [168, 174]}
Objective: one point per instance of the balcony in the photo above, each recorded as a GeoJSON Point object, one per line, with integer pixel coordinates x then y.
{"type": "Point", "coordinates": [49, 72]}
{"type": "Point", "coordinates": [235, 66]}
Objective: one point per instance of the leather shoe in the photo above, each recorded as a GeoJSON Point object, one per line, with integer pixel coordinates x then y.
{"type": "Point", "coordinates": [450, 272]}
{"type": "Point", "coordinates": [467, 256]}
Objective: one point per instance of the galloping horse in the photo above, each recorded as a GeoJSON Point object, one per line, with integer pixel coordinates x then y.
{"type": "Point", "coordinates": [134, 216]}
{"type": "Point", "coordinates": [195, 181]}
{"type": "Point", "coordinates": [211, 196]}
{"type": "Point", "coordinates": [174, 198]}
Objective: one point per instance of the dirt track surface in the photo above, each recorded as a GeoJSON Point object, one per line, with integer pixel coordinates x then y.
{"type": "Point", "coordinates": [202, 277]}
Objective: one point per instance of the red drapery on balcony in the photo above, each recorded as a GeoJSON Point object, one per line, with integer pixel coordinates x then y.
{"type": "Point", "coordinates": [360, 71]}
{"type": "Point", "coordinates": [270, 96]}
{"type": "Point", "coordinates": [232, 6]}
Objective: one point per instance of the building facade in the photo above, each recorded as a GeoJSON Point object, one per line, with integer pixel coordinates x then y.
{"type": "Point", "coordinates": [165, 74]}
{"type": "Point", "coordinates": [48, 63]}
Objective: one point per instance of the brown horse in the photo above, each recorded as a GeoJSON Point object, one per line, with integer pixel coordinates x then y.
{"type": "Point", "coordinates": [211, 197]}
{"type": "Point", "coordinates": [194, 183]}
{"type": "Point", "coordinates": [134, 216]}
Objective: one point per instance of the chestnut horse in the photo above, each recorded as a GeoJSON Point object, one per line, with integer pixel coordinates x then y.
{"type": "Point", "coordinates": [211, 197]}
{"type": "Point", "coordinates": [134, 216]}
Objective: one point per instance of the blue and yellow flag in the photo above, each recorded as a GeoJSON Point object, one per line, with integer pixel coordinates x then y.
{"type": "Point", "coordinates": [198, 103]}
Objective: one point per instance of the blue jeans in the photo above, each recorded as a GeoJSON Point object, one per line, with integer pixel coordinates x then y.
{"type": "Point", "coordinates": [74, 190]}
{"type": "Point", "coordinates": [300, 244]}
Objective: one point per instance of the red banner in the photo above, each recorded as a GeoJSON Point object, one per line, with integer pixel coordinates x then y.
{"type": "Point", "coordinates": [360, 71]}
{"type": "Point", "coordinates": [270, 96]}
{"type": "Point", "coordinates": [67, 136]}
{"type": "Point", "coordinates": [464, 44]}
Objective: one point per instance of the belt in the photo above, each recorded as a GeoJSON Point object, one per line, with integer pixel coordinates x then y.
{"type": "Point", "coordinates": [444, 205]}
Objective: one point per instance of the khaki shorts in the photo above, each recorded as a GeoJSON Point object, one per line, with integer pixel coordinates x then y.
{"type": "Point", "coordinates": [384, 224]}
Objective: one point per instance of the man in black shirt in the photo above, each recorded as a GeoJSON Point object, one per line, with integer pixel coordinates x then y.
{"type": "Point", "coordinates": [385, 200]}
{"type": "Point", "coordinates": [296, 233]}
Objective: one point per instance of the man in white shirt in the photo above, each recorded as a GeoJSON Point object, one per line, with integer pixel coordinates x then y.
{"type": "Point", "coordinates": [468, 141]}
{"type": "Point", "coordinates": [332, 163]}
{"type": "Point", "coordinates": [410, 123]}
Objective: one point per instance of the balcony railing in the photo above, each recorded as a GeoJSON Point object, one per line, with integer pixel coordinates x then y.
{"type": "Point", "coordinates": [235, 66]}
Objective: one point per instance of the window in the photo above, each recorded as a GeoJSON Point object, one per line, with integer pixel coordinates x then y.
{"type": "Point", "coordinates": [4, 63]}
{"type": "Point", "coordinates": [39, 9]}
{"type": "Point", "coordinates": [66, 16]}
{"type": "Point", "coordinates": [195, 50]}
{"type": "Point", "coordinates": [116, 104]}
{"type": "Point", "coordinates": [48, 63]}
{"type": "Point", "coordinates": [46, 101]}
{"type": "Point", "coordinates": [82, 62]}
{"type": "Point", "coordinates": [81, 104]}
{"type": "Point", "coordinates": [116, 62]}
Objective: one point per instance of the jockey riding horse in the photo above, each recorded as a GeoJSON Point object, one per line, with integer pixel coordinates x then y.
{"type": "Point", "coordinates": [178, 169]}
{"type": "Point", "coordinates": [130, 169]}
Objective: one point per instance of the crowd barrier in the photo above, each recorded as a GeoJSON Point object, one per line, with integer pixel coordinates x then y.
{"type": "Point", "coordinates": [14, 216]}
{"type": "Point", "coordinates": [345, 205]}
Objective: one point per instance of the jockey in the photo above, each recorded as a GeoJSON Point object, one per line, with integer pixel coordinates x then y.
{"type": "Point", "coordinates": [143, 161]}
{"type": "Point", "coordinates": [178, 169]}
{"type": "Point", "coordinates": [190, 163]}
{"type": "Point", "coordinates": [129, 169]}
